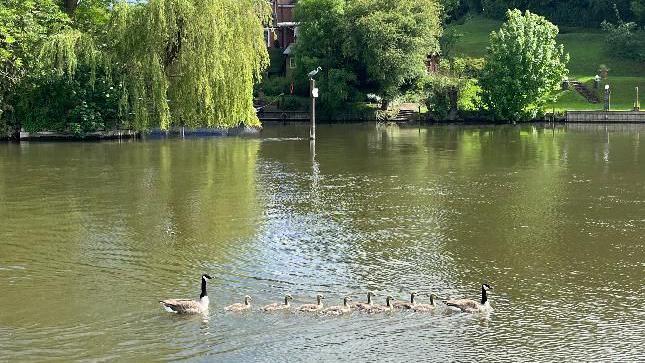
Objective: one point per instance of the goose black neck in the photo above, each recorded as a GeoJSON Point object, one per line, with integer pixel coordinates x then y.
{"type": "Point", "coordinates": [431, 299]}
{"type": "Point", "coordinates": [484, 296]}
{"type": "Point", "coordinates": [369, 298]}
{"type": "Point", "coordinates": [411, 298]}
{"type": "Point", "coordinates": [286, 300]}
{"type": "Point", "coordinates": [204, 293]}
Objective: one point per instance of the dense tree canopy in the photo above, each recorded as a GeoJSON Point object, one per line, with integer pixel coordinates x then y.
{"type": "Point", "coordinates": [366, 46]}
{"type": "Point", "coordinates": [589, 13]}
{"type": "Point", "coordinates": [523, 66]}
{"type": "Point", "coordinates": [138, 64]}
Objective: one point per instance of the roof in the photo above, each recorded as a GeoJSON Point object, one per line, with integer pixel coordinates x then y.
{"type": "Point", "coordinates": [289, 50]}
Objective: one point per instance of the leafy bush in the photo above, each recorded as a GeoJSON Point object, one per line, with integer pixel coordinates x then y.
{"type": "Point", "coordinates": [621, 40]}
{"type": "Point", "coordinates": [468, 67]}
{"type": "Point", "coordinates": [293, 103]}
{"type": "Point", "coordinates": [524, 64]}
{"type": "Point", "coordinates": [274, 86]}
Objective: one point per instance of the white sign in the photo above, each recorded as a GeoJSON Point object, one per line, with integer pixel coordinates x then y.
{"type": "Point", "coordinates": [314, 93]}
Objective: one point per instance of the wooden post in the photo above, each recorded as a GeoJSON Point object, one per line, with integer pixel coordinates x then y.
{"type": "Point", "coordinates": [312, 131]}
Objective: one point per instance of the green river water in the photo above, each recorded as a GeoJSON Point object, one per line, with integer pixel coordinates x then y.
{"type": "Point", "coordinates": [92, 235]}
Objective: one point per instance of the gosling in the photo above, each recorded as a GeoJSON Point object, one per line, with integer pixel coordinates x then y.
{"type": "Point", "coordinates": [376, 309]}
{"type": "Point", "coordinates": [279, 306]}
{"type": "Point", "coordinates": [472, 306]}
{"type": "Point", "coordinates": [405, 304]}
{"type": "Point", "coordinates": [425, 308]}
{"type": "Point", "coordinates": [338, 309]}
{"type": "Point", "coordinates": [312, 308]}
{"type": "Point", "coordinates": [239, 307]}
{"type": "Point", "coordinates": [368, 305]}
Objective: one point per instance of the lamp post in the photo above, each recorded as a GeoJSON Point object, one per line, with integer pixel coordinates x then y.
{"type": "Point", "coordinates": [314, 95]}
{"type": "Point", "coordinates": [607, 98]}
{"type": "Point", "coordinates": [637, 105]}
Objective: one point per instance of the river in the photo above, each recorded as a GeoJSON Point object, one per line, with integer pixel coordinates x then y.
{"type": "Point", "coordinates": [92, 235]}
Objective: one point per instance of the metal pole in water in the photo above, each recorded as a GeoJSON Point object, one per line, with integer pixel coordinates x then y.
{"type": "Point", "coordinates": [314, 91]}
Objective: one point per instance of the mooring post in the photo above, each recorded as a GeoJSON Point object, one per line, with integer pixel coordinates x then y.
{"type": "Point", "coordinates": [314, 94]}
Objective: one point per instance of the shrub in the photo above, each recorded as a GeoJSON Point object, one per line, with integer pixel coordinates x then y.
{"type": "Point", "coordinates": [621, 40]}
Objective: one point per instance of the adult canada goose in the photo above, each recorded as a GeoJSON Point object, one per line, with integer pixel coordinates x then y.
{"type": "Point", "coordinates": [368, 304]}
{"type": "Point", "coordinates": [188, 306]}
{"type": "Point", "coordinates": [375, 309]}
{"type": "Point", "coordinates": [472, 306]}
{"type": "Point", "coordinates": [310, 308]}
{"type": "Point", "coordinates": [246, 305]}
{"type": "Point", "coordinates": [405, 304]}
{"type": "Point", "coordinates": [339, 309]}
{"type": "Point", "coordinates": [425, 307]}
{"type": "Point", "coordinates": [279, 306]}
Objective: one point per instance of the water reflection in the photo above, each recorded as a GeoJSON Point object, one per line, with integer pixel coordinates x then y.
{"type": "Point", "coordinates": [552, 217]}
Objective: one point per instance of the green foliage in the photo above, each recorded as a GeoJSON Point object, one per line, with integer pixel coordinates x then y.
{"type": "Point", "coordinates": [468, 67]}
{"type": "Point", "coordinates": [638, 9]}
{"type": "Point", "coordinates": [621, 39]}
{"type": "Point", "coordinates": [365, 46]}
{"type": "Point", "coordinates": [523, 66]}
{"type": "Point", "coordinates": [589, 13]}
{"type": "Point", "coordinates": [57, 104]}
{"type": "Point", "coordinates": [181, 62]}
{"type": "Point", "coordinates": [273, 86]}
{"type": "Point", "coordinates": [453, 89]}
{"type": "Point", "coordinates": [191, 62]}
{"type": "Point", "coordinates": [25, 25]}
{"type": "Point", "coordinates": [391, 41]}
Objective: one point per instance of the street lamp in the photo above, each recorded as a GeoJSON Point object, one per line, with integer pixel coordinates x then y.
{"type": "Point", "coordinates": [607, 97]}
{"type": "Point", "coordinates": [314, 95]}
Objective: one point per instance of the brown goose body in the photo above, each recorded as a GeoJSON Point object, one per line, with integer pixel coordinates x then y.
{"type": "Point", "coordinates": [188, 306]}
{"type": "Point", "coordinates": [279, 306]}
{"type": "Point", "coordinates": [472, 306]}
{"type": "Point", "coordinates": [405, 304]}
{"type": "Point", "coordinates": [239, 307]}
{"type": "Point", "coordinates": [365, 305]}
{"type": "Point", "coordinates": [377, 309]}
{"type": "Point", "coordinates": [184, 306]}
{"type": "Point", "coordinates": [311, 308]}
{"type": "Point", "coordinates": [339, 309]}
{"type": "Point", "coordinates": [424, 308]}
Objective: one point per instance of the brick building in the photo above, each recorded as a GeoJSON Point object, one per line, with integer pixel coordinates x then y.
{"type": "Point", "coordinates": [282, 33]}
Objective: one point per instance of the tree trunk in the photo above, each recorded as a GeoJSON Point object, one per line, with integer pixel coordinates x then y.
{"type": "Point", "coordinates": [70, 6]}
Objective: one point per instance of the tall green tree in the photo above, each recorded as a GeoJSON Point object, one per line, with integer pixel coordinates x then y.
{"type": "Point", "coordinates": [366, 46]}
{"type": "Point", "coordinates": [524, 64]}
{"type": "Point", "coordinates": [322, 33]}
{"type": "Point", "coordinates": [190, 62]}
{"type": "Point", "coordinates": [25, 26]}
{"type": "Point", "coordinates": [391, 41]}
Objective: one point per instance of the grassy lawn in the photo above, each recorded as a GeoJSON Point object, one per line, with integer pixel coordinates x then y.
{"type": "Point", "coordinates": [586, 49]}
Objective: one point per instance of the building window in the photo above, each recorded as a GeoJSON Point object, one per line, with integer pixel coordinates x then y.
{"type": "Point", "coordinates": [292, 62]}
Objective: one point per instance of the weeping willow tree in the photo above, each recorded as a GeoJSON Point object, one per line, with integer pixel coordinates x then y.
{"type": "Point", "coordinates": [189, 62]}
{"type": "Point", "coordinates": [176, 62]}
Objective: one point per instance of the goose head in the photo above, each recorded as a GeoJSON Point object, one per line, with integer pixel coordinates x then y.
{"type": "Point", "coordinates": [432, 297]}
{"type": "Point", "coordinates": [486, 287]}
{"type": "Point", "coordinates": [287, 298]}
{"type": "Point", "coordinates": [206, 277]}
{"type": "Point", "coordinates": [346, 299]}
{"type": "Point", "coordinates": [247, 300]}
{"type": "Point", "coordinates": [319, 298]}
{"type": "Point", "coordinates": [413, 294]}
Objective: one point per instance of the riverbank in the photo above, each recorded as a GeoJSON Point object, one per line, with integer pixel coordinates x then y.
{"type": "Point", "coordinates": [175, 132]}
